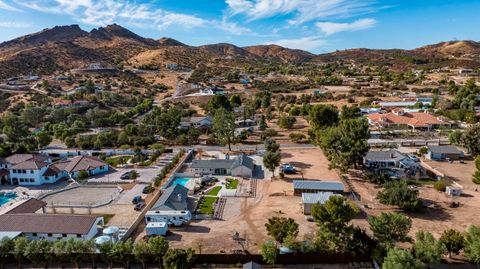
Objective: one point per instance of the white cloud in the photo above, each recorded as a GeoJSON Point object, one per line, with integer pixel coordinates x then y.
{"type": "Point", "coordinates": [8, 7]}
{"type": "Point", "coordinates": [330, 28]}
{"type": "Point", "coordinates": [302, 10]}
{"type": "Point", "coordinates": [129, 12]}
{"type": "Point", "coordinates": [305, 43]}
{"type": "Point", "coordinates": [14, 24]}
{"type": "Point", "coordinates": [103, 12]}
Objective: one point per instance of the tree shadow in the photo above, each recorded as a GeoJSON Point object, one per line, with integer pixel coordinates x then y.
{"type": "Point", "coordinates": [174, 237]}
{"type": "Point", "coordinates": [301, 165]}
{"type": "Point", "coordinates": [286, 155]}
{"type": "Point", "coordinates": [431, 211]}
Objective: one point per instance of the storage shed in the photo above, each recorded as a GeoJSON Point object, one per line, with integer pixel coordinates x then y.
{"type": "Point", "coordinates": [156, 228]}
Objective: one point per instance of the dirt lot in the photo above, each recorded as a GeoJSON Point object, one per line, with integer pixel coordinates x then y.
{"type": "Point", "coordinates": [438, 216]}
{"type": "Point", "coordinates": [247, 216]}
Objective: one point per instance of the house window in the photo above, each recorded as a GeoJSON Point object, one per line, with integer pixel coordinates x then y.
{"type": "Point", "coordinates": [31, 171]}
{"type": "Point", "coordinates": [79, 236]}
{"type": "Point", "coordinates": [64, 235]}
{"type": "Point", "coordinates": [49, 235]}
{"type": "Point", "coordinates": [21, 180]}
{"type": "Point", "coordinates": [34, 234]}
{"type": "Point", "coordinates": [32, 180]}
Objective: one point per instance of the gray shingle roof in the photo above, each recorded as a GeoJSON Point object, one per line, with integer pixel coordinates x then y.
{"type": "Point", "coordinates": [241, 159]}
{"type": "Point", "coordinates": [444, 149]}
{"type": "Point", "coordinates": [385, 155]}
{"type": "Point", "coordinates": [318, 185]}
{"type": "Point", "coordinates": [174, 198]}
{"type": "Point", "coordinates": [319, 197]}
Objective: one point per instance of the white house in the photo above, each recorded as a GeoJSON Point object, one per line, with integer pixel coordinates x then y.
{"type": "Point", "coordinates": [240, 166]}
{"type": "Point", "coordinates": [50, 226]}
{"type": "Point", "coordinates": [35, 170]}
{"type": "Point", "coordinates": [171, 207]}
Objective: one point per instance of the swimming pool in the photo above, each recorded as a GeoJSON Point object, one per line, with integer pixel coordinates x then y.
{"type": "Point", "coordinates": [7, 197]}
{"type": "Point", "coordinates": [180, 181]}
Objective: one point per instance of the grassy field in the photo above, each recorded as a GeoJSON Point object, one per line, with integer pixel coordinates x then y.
{"type": "Point", "coordinates": [232, 183]}
{"type": "Point", "coordinates": [214, 191]}
{"type": "Point", "coordinates": [206, 207]}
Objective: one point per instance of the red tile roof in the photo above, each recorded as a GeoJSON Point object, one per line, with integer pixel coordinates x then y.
{"type": "Point", "coordinates": [415, 119]}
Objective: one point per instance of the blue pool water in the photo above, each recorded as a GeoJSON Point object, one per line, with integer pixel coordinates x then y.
{"type": "Point", "coordinates": [180, 181]}
{"type": "Point", "coordinates": [5, 198]}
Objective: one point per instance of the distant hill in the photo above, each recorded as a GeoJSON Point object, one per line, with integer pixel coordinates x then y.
{"type": "Point", "coordinates": [65, 47]}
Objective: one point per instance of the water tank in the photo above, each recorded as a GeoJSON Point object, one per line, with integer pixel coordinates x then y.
{"type": "Point", "coordinates": [112, 232]}
{"type": "Point", "coordinates": [102, 239]}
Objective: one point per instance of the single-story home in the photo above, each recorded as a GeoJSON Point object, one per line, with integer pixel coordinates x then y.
{"type": "Point", "coordinates": [399, 118]}
{"type": "Point", "coordinates": [171, 207]}
{"type": "Point", "coordinates": [92, 165]}
{"type": "Point", "coordinates": [444, 153]}
{"type": "Point", "coordinates": [394, 162]}
{"type": "Point", "coordinates": [196, 122]}
{"type": "Point", "coordinates": [50, 226]}
{"type": "Point", "coordinates": [310, 199]}
{"type": "Point", "coordinates": [240, 166]}
{"type": "Point", "coordinates": [314, 186]}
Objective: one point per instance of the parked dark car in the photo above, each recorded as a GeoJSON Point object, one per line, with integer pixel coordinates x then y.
{"type": "Point", "coordinates": [136, 200]}
{"type": "Point", "coordinates": [147, 190]}
{"type": "Point", "coordinates": [139, 206]}
{"type": "Point", "coordinates": [127, 175]}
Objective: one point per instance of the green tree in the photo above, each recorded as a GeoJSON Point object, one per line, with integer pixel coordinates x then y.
{"type": "Point", "coordinates": [218, 101]}
{"type": "Point", "coordinates": [235, 100]}
{"type": "Point", "coordinates": [280, 228]}
{"type": "Point", "coordinates": [346, 144]}
{"type": "Point", "coordinates": [476, 174]}
{"type": "Point", "coordinates": [472, 244]}
{"type": "Point", "coordinates": [427, 248]}
{"type": "Point", "coordinates": [179, 259]}
{"type": "Point", "coordinates": [271, 160]}
{"type": "Point", "coordinates": [158, 247]}
{"type": "Point", "coordinates": [453, 241]}
{"type": "Point", "coordinates": [19, 246]}
{"type": "Point", "coordinates": [400, 259]}
{"type": "Point", "coordinates": [224, 126]}
{"type": "Point", "coordinates": [390, 228]}
{"type": "Point", "coordinates": [6, 247]}
{"type": "Point", "coordinates": [271, 145]}
{"type": "Point", "coordinates": [122, 252]}
{"type": "Point", "coordinates": [82, 175]}
{"type": "Point", "coordinates": [398, 193]}
{"type": "Point", "coordinates": [455, 137]}
{"type": "Point", "coordinates": [286, 122]}
{"type": "Point", "coordinates": [38, 251]}
{"type": "Point", "coordinates": [351, 112]}
{"type": "Point", "coordinates": [141, 252]}
{"type": "Point", "coordinates": [334, 214]}
{"type": "Point", "coordinates": [262, 125]}
{"type": "Point", "coordinates": [60, 251]}
{"type": "Point", "coordinates": [471, 139]}
{"type": "Point", "coordinates": [269, 252]}
{"type": "Point", "coordinates": [43, 139]}
{"type": "Point", "coordinates": [323, 116]}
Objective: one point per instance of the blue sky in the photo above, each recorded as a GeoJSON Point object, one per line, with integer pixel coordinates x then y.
{"type": "Point", "coordinates": [314, 25]}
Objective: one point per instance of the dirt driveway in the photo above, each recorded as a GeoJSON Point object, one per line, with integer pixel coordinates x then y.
{"type": "Point", "coordinates": [248, 216]}
{"type": "Point", "coordinates": [439, 216]}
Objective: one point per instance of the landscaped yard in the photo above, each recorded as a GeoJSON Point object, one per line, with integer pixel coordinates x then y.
{"type": "Point", "coordinates": [232, 183]}
{"type": "Point", "coordinates": [118, 160]}
{"type": "Point", "coordinates": [206, 206]}
{"type": "Point", "coordinates": [214, 191]}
